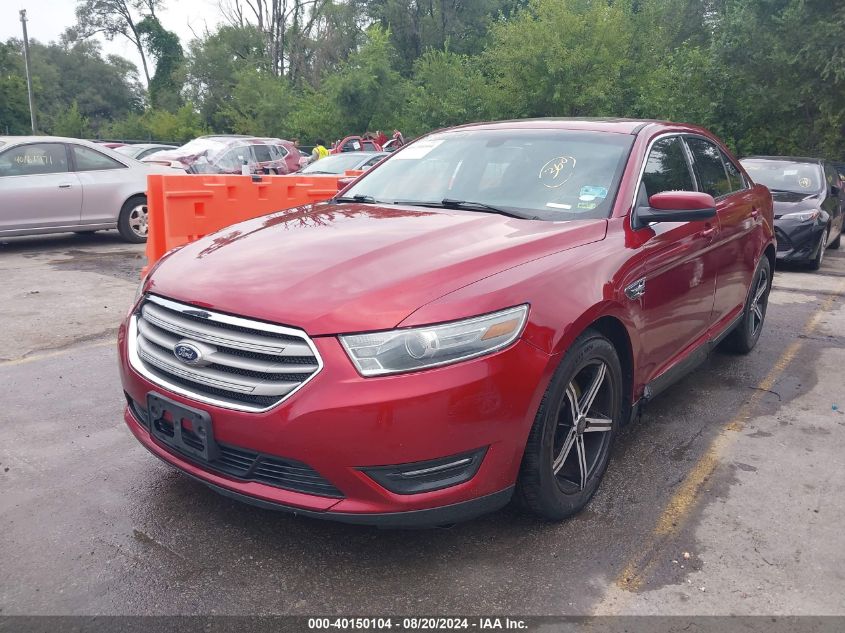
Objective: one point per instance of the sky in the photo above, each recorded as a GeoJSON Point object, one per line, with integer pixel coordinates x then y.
{"type": "Point", "coordinates": [47, 19]}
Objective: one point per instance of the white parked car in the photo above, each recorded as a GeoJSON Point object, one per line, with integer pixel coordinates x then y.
{"type": "Point", "coordinates": [54, 185]}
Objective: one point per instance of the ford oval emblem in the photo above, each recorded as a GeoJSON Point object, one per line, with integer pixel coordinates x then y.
{"type": "Point", "coordinates": [187, 353]}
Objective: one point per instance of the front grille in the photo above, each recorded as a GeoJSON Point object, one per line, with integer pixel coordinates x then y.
{"type": "Point", "coordinates": [244, 364]}
{"type": "Point", "coordinates": [247, 465]}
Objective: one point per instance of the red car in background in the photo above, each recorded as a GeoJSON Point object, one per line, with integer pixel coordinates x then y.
{"type": "Point", "coordinates": [355, 144]}
{"type": "Point", "coordinates": [226, 154]}
{"type": "Point", "coordinates": [472, 319]}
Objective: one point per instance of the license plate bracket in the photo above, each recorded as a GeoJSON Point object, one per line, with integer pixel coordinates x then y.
{"type": "Point", "coordinates": [186, 429]}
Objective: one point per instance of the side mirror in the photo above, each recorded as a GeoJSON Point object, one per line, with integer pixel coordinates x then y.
{"type": "Point", "coordinates": [675, 206]}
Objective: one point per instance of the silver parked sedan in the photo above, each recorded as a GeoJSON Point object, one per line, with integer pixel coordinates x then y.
{"type": "Point", "coordinates": [54, 185]}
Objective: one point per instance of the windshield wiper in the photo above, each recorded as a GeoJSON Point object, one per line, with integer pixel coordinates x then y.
{"type": "Point", "coordinates": [449, 203]}
{"type": "Point", "coordinates": [783, 190]}
{"type": "Point", "coordinates": [362, 199]}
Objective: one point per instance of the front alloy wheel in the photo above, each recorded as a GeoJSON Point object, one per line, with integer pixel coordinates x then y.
{"type": "Point", "coordinates": [816, 262]}
{"type": "Point", "coordinates": [582, 435]}
{"type": "Point", "coordinates": [569, 445]}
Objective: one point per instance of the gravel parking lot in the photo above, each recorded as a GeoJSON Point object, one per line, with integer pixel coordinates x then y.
{"type": "Point", "coordinates": [725, 498]}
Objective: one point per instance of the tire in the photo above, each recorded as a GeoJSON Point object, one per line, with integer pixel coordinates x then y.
{"type": "Point", "coordinates": [554, 482]}
{"type": "Point", "coordinates": [816, 262]}
{"type": "Point", "coordinates": [747, 332]}
{"type": "Point", "coordinates": [836, 243]}
{"type": "Point", "coordinates": [132, 221]}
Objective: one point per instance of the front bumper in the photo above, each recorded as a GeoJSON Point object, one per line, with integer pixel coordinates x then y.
{"type": "Point", "coordinates": [798, 241]}
{"type": "Point", "coordinates": [341, 424]}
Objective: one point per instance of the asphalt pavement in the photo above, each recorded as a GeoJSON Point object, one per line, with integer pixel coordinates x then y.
{"type": "Point", "coordinates": [724, 498]}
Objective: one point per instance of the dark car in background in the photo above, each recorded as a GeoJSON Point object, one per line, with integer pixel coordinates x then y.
{"type": "Point", "coordinates": [226, 154]}
{"type": "Point", "coordinates": [808, 204]}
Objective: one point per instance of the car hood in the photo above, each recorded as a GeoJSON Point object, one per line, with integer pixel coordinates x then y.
{"type": "Point", "coordinates": [792, 202]}
{"type": "Point", "coordinates": [348, 268]}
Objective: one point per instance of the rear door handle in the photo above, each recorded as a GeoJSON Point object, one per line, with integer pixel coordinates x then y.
{"type": "Point", "coordinates": [65, 185]}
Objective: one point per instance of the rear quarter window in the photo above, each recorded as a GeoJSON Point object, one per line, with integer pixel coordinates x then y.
{"type": "Point", "coordinates": [707, 158]}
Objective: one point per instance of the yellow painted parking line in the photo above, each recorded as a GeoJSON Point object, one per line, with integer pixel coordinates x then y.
{"type": "Point", "coordinates": [674, 516]}
{"type": "Point", "coordinates": [62, 352]}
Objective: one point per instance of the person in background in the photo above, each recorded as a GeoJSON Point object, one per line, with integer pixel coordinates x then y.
{"type": "Point", "coordinates": [319, 150]}
{"type": "Point", "coordinates": [397, 135]}
{"type": "Point", "coordinates": [381, 138]}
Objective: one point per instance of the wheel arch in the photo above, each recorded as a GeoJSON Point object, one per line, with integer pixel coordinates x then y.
{"type": "Point", "coordinates": [615, 331]}
{"type": "Point", "coordinates": [771, 255]}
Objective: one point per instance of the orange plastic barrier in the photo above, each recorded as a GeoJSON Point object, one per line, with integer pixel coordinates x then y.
{"type": "Point", "coordinates": [184, 207]}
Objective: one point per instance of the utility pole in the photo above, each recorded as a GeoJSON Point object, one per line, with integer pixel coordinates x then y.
{"type": "Point", "coordinates": [28, 72]}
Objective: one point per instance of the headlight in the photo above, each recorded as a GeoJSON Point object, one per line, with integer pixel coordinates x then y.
{"type": "Point", "coordinates": [396, 351]}
{"type": "Point", "coordinates": [802, 216]}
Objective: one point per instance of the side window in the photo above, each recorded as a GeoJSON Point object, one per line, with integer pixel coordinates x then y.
{"type": "Point", "coordinates": [734, 175]}
{"type": "Point", "coordinates": [280, 150]}
{"type": "Point", "coordinates": [369, 146]}
{"type": "Point", "coordinates": [712, 177]}
{"type": "Point", "coordinates": [831, 176]}
{"type": "Point", "coordinates": [233, 160]}
{"type": "Point", "coordinates": [371, 162]}
{"type": "Point", "coordinates": [262, 153]}
{"type": "Point", "coordinates": [87, 159]}
{"type": "Point", "coordinates": [34, 159]}
{"type": "Point", "coordinates": [666, 168]}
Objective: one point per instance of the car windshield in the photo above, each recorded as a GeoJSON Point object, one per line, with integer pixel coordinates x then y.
{"type": "Point", "coordinates": [336, 164]}
{"type": "Point", "coordinates": [541, 174]}
{"type": "Point", "coordinates": [785, 175]}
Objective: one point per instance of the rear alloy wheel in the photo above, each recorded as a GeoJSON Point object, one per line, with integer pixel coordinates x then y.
{"type": "Point", "coordinates": [816, 262]}
{"type": "Point", "coordinates": [133, 220]}
{"type": "Point", "coordinates": [747, 332]}
{"type": "Point", "coordinates": [569, 445]}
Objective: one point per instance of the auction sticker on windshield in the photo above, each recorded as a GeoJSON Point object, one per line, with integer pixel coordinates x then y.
{"type": "Point", "coordinates": [420, 149]}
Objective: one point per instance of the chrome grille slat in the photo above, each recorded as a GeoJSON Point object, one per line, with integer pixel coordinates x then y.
{"type": "Point", "coordinates": [236, 369]}
{"type": "Point", "coordinates": [160, 337]}
{"type": "Point", "coordinates": [188, 328]}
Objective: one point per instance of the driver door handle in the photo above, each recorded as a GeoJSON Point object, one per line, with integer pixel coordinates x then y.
{"type": "Point", "coordinates": [65, 185]}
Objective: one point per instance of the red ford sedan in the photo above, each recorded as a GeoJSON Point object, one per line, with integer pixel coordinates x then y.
{"type": "Point", "coordinates": [470, 321]}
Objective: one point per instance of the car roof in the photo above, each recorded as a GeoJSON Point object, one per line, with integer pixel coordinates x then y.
{"type": "Point", "coordinates": [794, 159]}
{"type": "Point", "coordinates": [43, 139]}
{"type": "Point", "coordinates": [603, 124]}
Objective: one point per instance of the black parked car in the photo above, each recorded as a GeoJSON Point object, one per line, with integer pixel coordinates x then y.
{"type": "Point", "coordinates": [808, 200]}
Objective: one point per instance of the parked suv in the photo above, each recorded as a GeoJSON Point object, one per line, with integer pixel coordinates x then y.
{"type": "Point", "coordinates": [226, 154]}
{"type": "Point", "coordinates": [808, 202]}
{"type": "Point", "coordinates": [460, 325]}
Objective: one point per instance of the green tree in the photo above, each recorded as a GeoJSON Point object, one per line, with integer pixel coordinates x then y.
{"type": "Point", "coordinates": [14, 108]}
{"type": "Point", "coordinates": [366, 92]}
{"type": "Point", "coordinates": [447, 89]}
{"type": "Point", "coordinates": [260, 104]}
{"type": "Point", "coordinates": [164, 47]}
{"type": "Point", "coordinates": [214, 65]}
{"type": "Point", "coordinates": [71, 123]}
{"type": "Point", "coordinates": [560, 58]}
